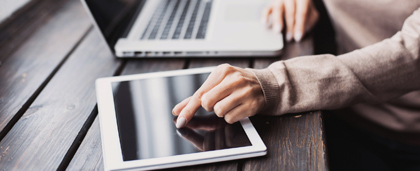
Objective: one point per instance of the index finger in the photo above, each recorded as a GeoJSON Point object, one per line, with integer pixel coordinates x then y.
{"type": "Point", "coordinates": [188, 111]}
{"type": "Point", "coordinates": [178, 108]}
{"type": "Point", "coordinates": [301, 15]}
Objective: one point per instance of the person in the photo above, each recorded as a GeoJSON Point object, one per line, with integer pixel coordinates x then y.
{"type": "Point", "coordinates": [375, 79]}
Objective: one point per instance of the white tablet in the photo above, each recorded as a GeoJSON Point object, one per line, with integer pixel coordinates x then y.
{"type": "Point", "coordinates": [138, 129]}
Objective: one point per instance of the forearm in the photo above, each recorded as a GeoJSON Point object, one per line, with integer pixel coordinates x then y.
{"type": "Point", "coordinates": [373, 74]}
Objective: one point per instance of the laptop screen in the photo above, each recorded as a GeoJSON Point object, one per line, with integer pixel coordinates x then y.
{"type": "Point", "coordinates": [114, 17]}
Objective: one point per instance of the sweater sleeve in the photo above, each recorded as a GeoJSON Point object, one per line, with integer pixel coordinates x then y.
{"type": "Point", "coordinates": [373, 74]}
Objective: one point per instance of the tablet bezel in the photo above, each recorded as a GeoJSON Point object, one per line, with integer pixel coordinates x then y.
{"type": "Point", "coordinates": [111, 148]}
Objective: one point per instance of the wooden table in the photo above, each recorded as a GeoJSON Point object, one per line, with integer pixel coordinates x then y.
{"type": "Point", "coordinates": [50, 56]}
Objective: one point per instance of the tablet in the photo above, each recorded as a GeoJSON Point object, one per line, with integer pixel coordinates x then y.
{"type": "Point", "coordinates": [138, 129]}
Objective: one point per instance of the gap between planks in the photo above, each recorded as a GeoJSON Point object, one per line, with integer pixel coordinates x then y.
{"type": "Point", "coordinates": [28, 103]}
{"type": "Point", "coordinates": [85, 128]}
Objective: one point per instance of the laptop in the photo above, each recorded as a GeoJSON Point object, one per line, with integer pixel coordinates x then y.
{"type": "Point", "coordinates": [184, 28]}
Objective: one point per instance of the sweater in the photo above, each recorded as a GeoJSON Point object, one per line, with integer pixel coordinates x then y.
{"type": "Point", "coordinates": [375, 79]}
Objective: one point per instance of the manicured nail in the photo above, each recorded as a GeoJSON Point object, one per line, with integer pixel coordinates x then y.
{"type": "Point", "coordinates": [289, 36]}
{"type": "Point", "coordinates": [180, 122]}
{"type": "Point", "coordinates": [277, 28]}
{"type": "Point", "coordinates": [298, 36]}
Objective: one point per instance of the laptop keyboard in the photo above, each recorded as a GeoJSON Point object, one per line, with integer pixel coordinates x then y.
{"type": "Point", "coordinates": [179, 19]}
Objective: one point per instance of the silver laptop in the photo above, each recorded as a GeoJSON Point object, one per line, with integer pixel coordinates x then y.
{"type": "Point", "coordinates": [184, 28]}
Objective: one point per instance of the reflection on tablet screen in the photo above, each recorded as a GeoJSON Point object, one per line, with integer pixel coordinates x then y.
{"type": "Point", "coordinates": [146, 125]}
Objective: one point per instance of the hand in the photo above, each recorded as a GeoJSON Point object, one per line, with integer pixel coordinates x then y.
{"type": "Point", "coordinates": [300, 16]}
{"type": "Point", "coordinates": [231, 92]}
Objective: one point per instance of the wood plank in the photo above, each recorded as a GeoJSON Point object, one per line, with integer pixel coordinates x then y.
{"type": "Point", "coordinates": [25, 73]}
{"type": "Point", "coordinates": [294, 142]}
{"type": "Point", "coordinates": [45, 133]}
{"type": "Point", "coordinates": [23, 23]}
{"type": "Point", "coordinates": [89, 155]}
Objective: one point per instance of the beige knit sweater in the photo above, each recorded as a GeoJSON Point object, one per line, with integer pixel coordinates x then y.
{"type": "Point", "coordinates": [377, 76]}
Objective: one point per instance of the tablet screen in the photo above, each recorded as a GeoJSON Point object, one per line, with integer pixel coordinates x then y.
{"type": "Point", "coordinates": [146, 125]}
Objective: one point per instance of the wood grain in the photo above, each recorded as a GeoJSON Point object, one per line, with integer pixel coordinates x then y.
{"type": "Point", "coordinates": [24, 22]}
{"type": "Point", "coordinates": [294, 142]}
{"type": "Point", "coordinates": [44, 134]}
{"type": "Point", "coordinates": [24, 74]}
{"type": "Point", "coordinates": [89, 154]}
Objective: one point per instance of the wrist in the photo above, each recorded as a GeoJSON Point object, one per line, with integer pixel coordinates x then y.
{"type": "Point", "coordinates": [270, 89]}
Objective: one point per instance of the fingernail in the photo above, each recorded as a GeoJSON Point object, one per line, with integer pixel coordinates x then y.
{"type": "Point", "coordinates": [289, 36]}
{"type": "Point", "coordinates": [277, 28]}
{"type": "Point", "coordinates": [298, 36]}
{"type": "Point", "coordinates": [180, 122]}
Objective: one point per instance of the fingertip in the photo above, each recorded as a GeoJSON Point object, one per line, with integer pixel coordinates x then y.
{"type": "Point", "coordinates": [277, 28]}
{"type": "Point", "coordinates": [175, 110]}
{"type": "Point", "coordinates": [230, 120]}
{"type": "Point", "coordinates": [180, 122]}
{"type": "Point", "coordinates": [298, 36]}
{"type": "Point", "coordinates": [184, 116]}
{"type": "Point", "coordinates": [278, 18]}
{"type": "Point", "coordinates": [289, 36]}
{"type": "Point", "coordinates": [180, 106]}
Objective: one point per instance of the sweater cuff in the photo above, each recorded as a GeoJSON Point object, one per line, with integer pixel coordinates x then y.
{"type": "Point", "coordinates": [270, 90]}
